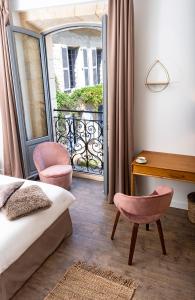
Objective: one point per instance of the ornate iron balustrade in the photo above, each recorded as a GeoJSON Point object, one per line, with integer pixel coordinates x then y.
{"type": "Point", "coordinates": [82, 133]}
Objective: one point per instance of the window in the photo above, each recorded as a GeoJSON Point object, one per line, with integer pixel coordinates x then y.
{"type": "Point", "coordinates": [85, 66]}
{"type": "Point", "coordinates": [72, 56]}
{"type": "Point", "coordinates": [65, 64]}
{"type": "Point", "coordinates": [99, 66]}
{"type": "Point", "coordinates": [91, 71]}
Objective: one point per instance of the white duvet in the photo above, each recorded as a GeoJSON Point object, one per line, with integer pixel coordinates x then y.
{"type": "Point", "coordinates": [18, 235]}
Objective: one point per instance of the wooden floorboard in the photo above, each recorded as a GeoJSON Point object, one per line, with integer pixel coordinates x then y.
{"type": "Point", "coordinates": [170, 277]}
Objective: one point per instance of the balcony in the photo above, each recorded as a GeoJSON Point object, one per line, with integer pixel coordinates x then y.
{"type": "Point", "coordinates": [82, 134]}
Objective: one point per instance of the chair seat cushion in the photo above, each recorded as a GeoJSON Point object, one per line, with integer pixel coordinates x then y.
{"type": "Point", "coordinates": [56, 171]}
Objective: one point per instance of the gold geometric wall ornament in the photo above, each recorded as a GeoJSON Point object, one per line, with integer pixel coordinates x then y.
{"type": "Point", "coordinates": [157, 78]}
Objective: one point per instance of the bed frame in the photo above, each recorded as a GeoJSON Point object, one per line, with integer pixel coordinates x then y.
{"type": "Point", "coordinates": [13, 278]}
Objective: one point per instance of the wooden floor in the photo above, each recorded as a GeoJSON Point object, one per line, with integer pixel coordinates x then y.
{"type": "Point", "coordinates": [161, 277]}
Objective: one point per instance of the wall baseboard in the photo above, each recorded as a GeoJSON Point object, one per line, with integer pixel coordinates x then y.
{"type": "Point", "coordinates": [181, 205]}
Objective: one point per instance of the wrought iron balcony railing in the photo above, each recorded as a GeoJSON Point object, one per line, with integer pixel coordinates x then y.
{"type": "Point", "coordinates": [82, 133]}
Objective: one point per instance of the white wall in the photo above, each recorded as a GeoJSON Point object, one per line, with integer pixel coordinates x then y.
{"type": "Point", "coordinates": [165, 121]}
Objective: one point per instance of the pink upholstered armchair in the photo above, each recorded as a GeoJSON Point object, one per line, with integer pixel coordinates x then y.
{"type": "Point", "coordinates": [143, 210]}
{"type": "Point", "coordinates": [52, 161]}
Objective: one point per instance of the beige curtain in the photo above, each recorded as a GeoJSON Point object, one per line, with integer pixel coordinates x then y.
{"type": "Point", "coordinates": [120, 94]}
{"type": "Point", "coordinates": [12, 161]}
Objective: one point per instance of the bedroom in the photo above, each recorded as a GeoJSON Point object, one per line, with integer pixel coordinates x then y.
{"type": "Point", "coordinates": [163, 122]}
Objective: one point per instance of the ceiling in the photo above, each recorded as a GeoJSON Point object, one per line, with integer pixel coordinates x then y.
{"type": "Point", "coordinates": [42, 19]}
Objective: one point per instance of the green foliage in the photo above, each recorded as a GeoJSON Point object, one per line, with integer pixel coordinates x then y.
{"type": "Point", "coordinates": [90, 95]}
{"type": "Point", "coordinates": [64, 101]}
{"type": "Point", "coordinates": [92, 163]}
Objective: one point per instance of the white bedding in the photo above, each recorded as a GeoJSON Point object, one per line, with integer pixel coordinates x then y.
{"type": "Point", "coordinates": [18, 235]}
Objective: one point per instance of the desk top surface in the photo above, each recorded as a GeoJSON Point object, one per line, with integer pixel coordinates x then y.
{"type": "Point", "coordinates": [168, 161]}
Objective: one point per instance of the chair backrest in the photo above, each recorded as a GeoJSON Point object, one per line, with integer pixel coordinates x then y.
{"type": "Point", "coordinates": [156, 203]}
{"type": "Point", "coordinates": [50, 153]}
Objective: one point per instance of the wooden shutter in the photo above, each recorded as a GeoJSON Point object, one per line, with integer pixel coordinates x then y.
{"type": "Point", "coordinates": [66, 70]}
{"type": "Point", "coordinates": [85, 66]}
{"type": "Point", "coordinates": [94, 66]}
{"type": "Point", "coordinates": [99, 66]}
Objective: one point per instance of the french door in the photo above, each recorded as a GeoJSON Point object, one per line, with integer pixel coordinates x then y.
{"type": "Point", "coordinates": [32, 96]}
{"type": "Point", "coordinates": [31, 88]}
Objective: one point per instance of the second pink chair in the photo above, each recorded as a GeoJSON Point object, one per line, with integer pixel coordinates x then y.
{"type": "Point", "coordinates": [143, 210]}
{"type": "Point", "coordinates": [52, 161]}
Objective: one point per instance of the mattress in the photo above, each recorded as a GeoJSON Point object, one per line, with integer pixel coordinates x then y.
{"type": "Point", "coordinates": [13, 278]}
{"type": "Point", "coordinates": [18, 235]}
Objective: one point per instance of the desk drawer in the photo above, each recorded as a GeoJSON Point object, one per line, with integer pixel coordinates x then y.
{"type": "Point", "coordinates": [163, 173]}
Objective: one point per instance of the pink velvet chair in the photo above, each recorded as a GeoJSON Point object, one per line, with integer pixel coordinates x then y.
{"type": "Point", "coordinates": [52, 161]}
{"type": "Point", "coordinates": [143, 210]}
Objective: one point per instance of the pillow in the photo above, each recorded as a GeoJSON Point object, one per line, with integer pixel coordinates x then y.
{"type": "Point", "coordinates": [6, 190]}
{"type": "Point", "coordinates": [26, 201]}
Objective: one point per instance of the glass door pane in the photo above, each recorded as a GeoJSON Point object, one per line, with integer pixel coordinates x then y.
{"type": "Point", "coordinates": [30, 73]}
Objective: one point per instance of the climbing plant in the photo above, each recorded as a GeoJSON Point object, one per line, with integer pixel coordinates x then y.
{"type": "Point", "coordinates": [86, 96]}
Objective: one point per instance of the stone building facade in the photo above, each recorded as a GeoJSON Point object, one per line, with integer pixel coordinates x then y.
{"type": "Point", "coordinates": [77, 58]}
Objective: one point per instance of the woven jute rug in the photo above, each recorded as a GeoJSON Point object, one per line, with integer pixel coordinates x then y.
{"type": "Point", "coordinates": [84, 282]}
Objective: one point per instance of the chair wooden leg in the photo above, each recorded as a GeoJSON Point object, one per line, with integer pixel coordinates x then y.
{"type": "Point", "coordinates": [133, 242]}
{"type": "Point", "coordinates": [115, 224]}
{"type": "Point", "coordinates": [160, 231]}
{"type": "Point", "coordinates": [147, 227]}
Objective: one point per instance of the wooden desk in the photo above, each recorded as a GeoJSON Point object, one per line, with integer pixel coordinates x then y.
{"type": "Point", "coordinates": [164, 165]}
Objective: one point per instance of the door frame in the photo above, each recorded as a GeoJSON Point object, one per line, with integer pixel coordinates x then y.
{"type": "Point", "coordinates": [105, 102]}
{"type": "Point", "coordinates": [72, 26]}
{"type": "Point", "coordinates": [103, 28]}
{"type": "Point", "coordinates": [18, 93]}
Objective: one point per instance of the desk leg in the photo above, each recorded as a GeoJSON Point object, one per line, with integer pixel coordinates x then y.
{"type": "Point", "coordinates": [132, 184]}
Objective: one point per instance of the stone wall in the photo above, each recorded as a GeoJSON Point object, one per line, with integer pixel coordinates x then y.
{"type": "Point", "coordinates": [88, 39]}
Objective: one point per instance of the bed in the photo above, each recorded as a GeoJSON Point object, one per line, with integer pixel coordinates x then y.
{"type": "Point", "coordinates": [26, 242]}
